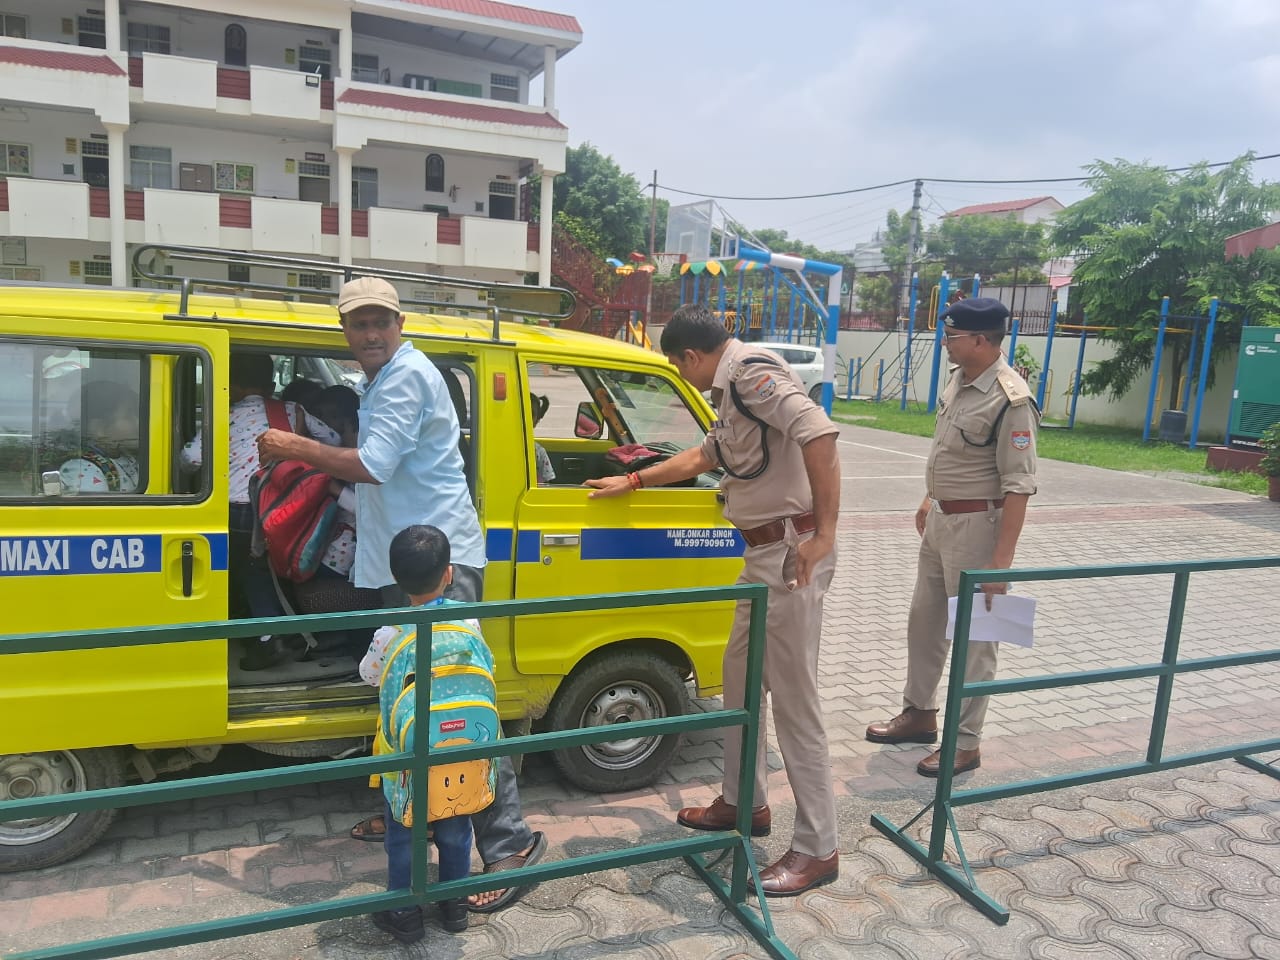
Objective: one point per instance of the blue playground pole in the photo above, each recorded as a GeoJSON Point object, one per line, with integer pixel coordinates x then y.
{"type": "Point", "coordinates": [737, 304]}
{"type": "Point", "coordinates": [1155, 369]}
{"type": "Point", "coordinates": [911, 329]}
{"type": "Point", "coordinates": [1013, 338]}
{"type": "Point", "coordinates": [1048, 352]}
{"type": "Point", "coordinates": [879, 379]}
{"type": "Point", "coordinates": [1075, 390]}
{"type": "Point", "coordinates": [697, 288]}
{"type": "Point", "coordinates": [684, 287]}
{"type": "Point", "coordinates": [800, 265]}
{"type": "Point", "coordinates": [773, 310]}
{"type": "Point", "coordinates": [977, 285]}
{"type": "Point", "coordinates": [944, 288]}
{"type": "Point", "coordinates": [1191, 365]}
{"type": "Point", "coordinates": [856, 380]}
{"type": "Point", "coordinates": [1204, 371]}
{"type": "Point", "coordinates": [722, 300]}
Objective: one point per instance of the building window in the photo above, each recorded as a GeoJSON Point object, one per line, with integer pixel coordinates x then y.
{"type": "Point", "coordinates": [502, 200]}
{"type": "Point", "coordinates": [238, 272]}
{"type": "Point", "coordinates": [458, 88]}
{"type": "Point", "coordinates": [147, 38]}
{"type": "Point", "coordinates": [314, 281]}
{"type": "Point", "coordinates": [364, 187]}
{"type": "Point", "coordinates": [435, 173]}
{"type": "Point", "coordinates": [16, 159]}
{"type": "Point", "coordinates": [96, 272]}
{"type": "Point", "coordinates": [22, 274]}
{"type": "Point", "coordinates": [503, 86]}
{"type": "Point", "coordinates": [91, 32]}
{"type": "Point", "coordinates": [364, 67]}
{"type": "Point", "coordinates": [233, 177]}
{"type": "Point", "coordinates": [13, 25]}
{"type": "Point", "coordinates": [151, 167]}
{"type": "Point", "coordinates": [314, 60]}
{"type": "Point", "coordinates": [235, 43]}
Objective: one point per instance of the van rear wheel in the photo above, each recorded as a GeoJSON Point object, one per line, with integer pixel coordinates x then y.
{"type": "Point", "coordinates": [815, 393]}
{"type": "Point", "coordinates": [46, 841]}
{"type": "Point", "coordinates": [618, 688]}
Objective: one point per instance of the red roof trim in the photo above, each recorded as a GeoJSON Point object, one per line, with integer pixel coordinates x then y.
{"type": "Point", "coordinates": [490, 9]}
{"type": "Point", "coordinates": [58, 60]}
{"type": "Point", "coordinates": [1001, 206]}
{"type": "Point", "coordinates": [1243, 244]}
{"type": "Point", "coordinates": [450, 108]}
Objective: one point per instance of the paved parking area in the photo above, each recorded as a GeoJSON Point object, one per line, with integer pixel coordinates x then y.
{"type": "Point", "coordinates": [1184, 864]}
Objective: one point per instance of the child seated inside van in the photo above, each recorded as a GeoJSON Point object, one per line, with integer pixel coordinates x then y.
{"type": "Point", "coordinates": [420, 565]}
{"type": "Point", "coordinates": [545, 471]}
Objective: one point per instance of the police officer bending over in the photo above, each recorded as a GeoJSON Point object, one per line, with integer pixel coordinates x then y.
{"type": "Point", "coordinates": [980, 473]}
{"type": "Point", "coordinates": [782, 490]}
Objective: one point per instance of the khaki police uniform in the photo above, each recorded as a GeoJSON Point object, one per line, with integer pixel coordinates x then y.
{"type": "Point", "coordinates": [774, 511]}
{"type": "Point", "coordinates": [984, 446]}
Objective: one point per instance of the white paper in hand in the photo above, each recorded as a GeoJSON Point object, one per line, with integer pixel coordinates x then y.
{"type": "Point", "coordinates": [1011, 619]}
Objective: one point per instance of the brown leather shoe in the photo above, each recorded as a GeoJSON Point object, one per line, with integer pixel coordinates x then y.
{"type": "Point", "coordinates": [910, 726]}
{"type": "Point", "coordinates": [722, 816]}
{"type": "Point", "coordinates": [797, 872]}
{"type": "Point", "coordinates": [965, 760]}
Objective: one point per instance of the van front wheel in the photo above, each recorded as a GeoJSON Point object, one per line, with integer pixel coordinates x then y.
{"type": "Point", "coordinates": [46, 841]}
{"type": "Point", "coordinates": [618, 688]}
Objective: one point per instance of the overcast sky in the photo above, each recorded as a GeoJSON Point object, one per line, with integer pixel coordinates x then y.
{"type": "Point", "coordinates": [772, 99]}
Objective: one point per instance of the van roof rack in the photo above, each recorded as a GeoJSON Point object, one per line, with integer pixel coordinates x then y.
{"type": "Point", "coordinates": [150, 257]}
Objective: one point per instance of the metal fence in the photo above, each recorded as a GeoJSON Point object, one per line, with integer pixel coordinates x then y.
{"type": "Point", "coordinates": [422, 890]}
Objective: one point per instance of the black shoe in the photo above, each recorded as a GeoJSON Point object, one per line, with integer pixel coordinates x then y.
{"type": "Point", "coordinates": [264, 654]}
{"type": "Point", "coordinates": [404, 925]}
{"type": "Point", "coordinates": [453, 914]}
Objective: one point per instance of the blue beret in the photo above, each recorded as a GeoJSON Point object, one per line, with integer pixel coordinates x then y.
{"type": "Point", "coordinates": [976, 313]}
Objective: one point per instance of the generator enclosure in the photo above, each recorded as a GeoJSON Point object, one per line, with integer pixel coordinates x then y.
{"type": "Point", "coordinates": [1255, 403]}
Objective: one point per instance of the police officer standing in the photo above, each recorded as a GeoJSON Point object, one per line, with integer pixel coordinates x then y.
{"type": "Point", "coordinates": [980, 473]}
{"type": "Point", "coordinates": [781, 487]}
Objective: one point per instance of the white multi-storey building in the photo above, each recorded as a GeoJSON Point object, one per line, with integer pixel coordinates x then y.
{"type": "Point", "coordinates": [394, 132]}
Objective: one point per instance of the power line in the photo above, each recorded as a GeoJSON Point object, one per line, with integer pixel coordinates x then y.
{"type": "Point", "coordinates": [899, 183]}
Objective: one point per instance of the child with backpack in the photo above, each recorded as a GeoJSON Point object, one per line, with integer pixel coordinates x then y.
{"type": "Point", "coordinates": [462, 711]}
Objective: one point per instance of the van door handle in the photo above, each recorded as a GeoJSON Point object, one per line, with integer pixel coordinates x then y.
{"type": "Point", "coordinates": [188, 566]}
{"type": "Point", "coordinates": [561, 539]}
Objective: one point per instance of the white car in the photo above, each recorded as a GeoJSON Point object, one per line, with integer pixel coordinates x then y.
{"type": "Point", "coordinates": [806, 361]}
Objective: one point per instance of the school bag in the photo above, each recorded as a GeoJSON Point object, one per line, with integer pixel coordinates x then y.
{"type": "Point", "coordinates": [463, 711]}
{"type": "Point", "coordinates": [295, 509]}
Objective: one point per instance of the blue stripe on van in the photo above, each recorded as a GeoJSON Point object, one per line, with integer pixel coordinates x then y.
{"type": "Point", "coordinates": [217, 550]}
{"type": "Point", "coordinates": [70, 556]}
{"type": "Point", "coordinates": [497, 544]}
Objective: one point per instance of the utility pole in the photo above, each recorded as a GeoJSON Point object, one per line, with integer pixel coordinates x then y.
{"type": "Point", "coordinates": [914, 237]}
{"type": "Point", "coordinates": [653, 215]}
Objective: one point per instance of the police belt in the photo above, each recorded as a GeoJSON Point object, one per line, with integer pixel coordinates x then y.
{"type": "Point", "coordinates": [775, 530]}
{"type": "Point", "coordinates": [969, 506]}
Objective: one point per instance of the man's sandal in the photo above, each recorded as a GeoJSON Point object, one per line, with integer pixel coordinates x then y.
{"type": "Point", "coordinates": [371, 829]}
{"type": "Point", "coordinates": [514, 862]}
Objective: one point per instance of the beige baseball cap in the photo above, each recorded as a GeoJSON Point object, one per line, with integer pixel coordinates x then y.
{"type": "Point", "coordinates": [368, 292]}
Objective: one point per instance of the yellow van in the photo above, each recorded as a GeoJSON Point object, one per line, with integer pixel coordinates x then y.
{"type": "Point", "coordinates": [146, 542]}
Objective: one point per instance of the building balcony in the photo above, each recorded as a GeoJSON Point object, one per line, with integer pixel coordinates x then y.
{"type": "Point", "coordinates": [74, 210]}
{"type": "Point", "coordinates": [165, 80]}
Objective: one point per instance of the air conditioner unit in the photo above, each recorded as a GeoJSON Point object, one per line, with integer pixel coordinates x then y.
{"type": "Point", "coordinates": [418, 81]}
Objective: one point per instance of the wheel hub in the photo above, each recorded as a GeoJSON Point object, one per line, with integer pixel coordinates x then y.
{"type": "Point", "coordinates": [620, 704]}
{"type": "Point", "coordinates": [26, 776]}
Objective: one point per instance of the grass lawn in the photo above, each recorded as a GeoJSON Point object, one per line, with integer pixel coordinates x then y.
{"type": "Point", "coordinates": [1116, 448]}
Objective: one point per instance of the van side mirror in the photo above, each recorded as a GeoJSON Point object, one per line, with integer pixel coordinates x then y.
{"type": "Point", "coordinates": [589, 424]}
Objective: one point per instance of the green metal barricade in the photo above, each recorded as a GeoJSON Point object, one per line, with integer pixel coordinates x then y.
{"type": "Point", "coordinates": [421, 891]}
{"type": "Point", "coordinates": [946, 798]}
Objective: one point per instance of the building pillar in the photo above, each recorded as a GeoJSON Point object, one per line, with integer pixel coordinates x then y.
{"type": "Point", "coordinates": [120, 273]}
{"type": "Point", "coordinates": [544, 229]}
{"type": "Point", "coordinates": [344, 203]}
{"type": "Point", "coordinates": [549, 78]}
{"type": "Point", "coordinates": [344, 53]}
{"type": "Point", "coordinates": [111, 18]}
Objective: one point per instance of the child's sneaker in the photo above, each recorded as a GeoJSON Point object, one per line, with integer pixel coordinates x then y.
{"type": "Point", "coordinates": [453, 914]}
{"type": "Point", "coordinates": [405, 925]}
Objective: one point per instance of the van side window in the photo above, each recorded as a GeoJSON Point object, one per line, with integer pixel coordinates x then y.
{"type": "Point", "coordinates": [633, 407]}
{"type": "Point", "coordinates": [75, 422]}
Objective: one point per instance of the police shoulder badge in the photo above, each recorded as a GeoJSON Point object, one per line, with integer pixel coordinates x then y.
{"type": "Point", "coordinates": [1021, 439]}
{"type": "Point", "coordinates": [766, 386]}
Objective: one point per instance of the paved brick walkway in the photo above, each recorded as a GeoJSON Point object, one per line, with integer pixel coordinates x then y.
{"type": "Point", "coordinates": [1183, 864]}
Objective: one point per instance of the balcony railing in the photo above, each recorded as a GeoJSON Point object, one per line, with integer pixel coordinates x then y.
{"type": "Point", "coordinates": [234, 83]}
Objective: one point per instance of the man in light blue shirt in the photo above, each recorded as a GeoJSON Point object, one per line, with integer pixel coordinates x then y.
{"type": "Point", "coordinates": [408, 470]}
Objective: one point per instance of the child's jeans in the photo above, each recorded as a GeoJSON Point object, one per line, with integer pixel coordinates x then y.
{"type": "Point", "coordinates": [452, 837]}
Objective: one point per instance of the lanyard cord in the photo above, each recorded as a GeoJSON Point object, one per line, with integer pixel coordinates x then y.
{"type": "Point", "coordinates": [764, 430]}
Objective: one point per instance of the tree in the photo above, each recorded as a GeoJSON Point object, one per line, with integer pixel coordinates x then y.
{"type": "Point", "coordinates": [1145, 233]}
{"type": "Point", "coordinates": [1001, 250]}
{"type": "Point", "coordinates": [593, 190]}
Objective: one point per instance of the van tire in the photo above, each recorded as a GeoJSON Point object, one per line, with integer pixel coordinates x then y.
{"type": "Point", "coordinates": [48, 841]}
{"type": "Point", "coordinates": [815, 393]}
{"type": "Point", "coordinates": [613, 687]}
